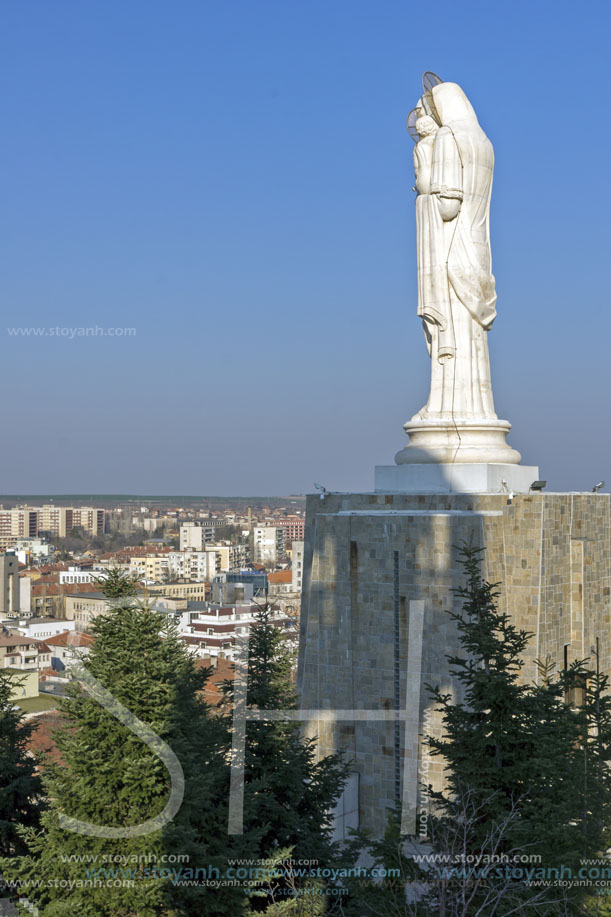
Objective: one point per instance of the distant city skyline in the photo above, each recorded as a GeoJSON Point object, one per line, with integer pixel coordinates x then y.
{"type": "Point", "coordinates": [232, 183]}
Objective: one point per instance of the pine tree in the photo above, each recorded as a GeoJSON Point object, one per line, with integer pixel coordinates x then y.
{"type": "Point", "coordinates": [288, 794]}
{"type": "Point", "coordinates": [20, 785]}
{"type": "Point", "coordinates": [108, 776]}
{"type": "Point", "coordinates": [515, 758]}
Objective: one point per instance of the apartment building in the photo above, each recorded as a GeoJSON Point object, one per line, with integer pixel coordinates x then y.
{"type": "Point", "coordinates": [43, 628]}
{"type": "Point", "coordinates": [218, 630]}
{"type": "Point", "coordinates": [68, 648]}
{"type": "Point", "coordinates": [31, 521]}
{"type": "Point", "coordinates": [75, 575]}
{"type": "Point", "coordinates": [18, 652]}
{"type": "Point", "coordinates": [16, 524]}
{"type": "Point", "coordinates": [199, 566]}
{"type": "Point", "coordinates": [84, 607]}
{"type": "Point", "coordinates": [268, 543]}
{"type": "Point", "coordinates": [297, 565]}
{"type": "Point", "coordinates": [294, 529]}
{"type": "Point", "coordinates": [194, 592]}
{"type": "Point", "coordinates": [194, 536]}
{"type": "Point", "coordinates": [49, 599]}
{"type": "Point", "coordinates": [152, 567]}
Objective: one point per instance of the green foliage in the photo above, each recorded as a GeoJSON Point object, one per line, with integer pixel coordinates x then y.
{"type": "Point", "coordinates": [20, 786]}
{"type": "Point", "coordinates": [108, 776]}
{"type": "Point", "coordinates": [526, 771]}
{"type": "Point", "coordinates": [117, 584]}
{"type": "Point", "coordinates": [396, 888]}
{"type": "Point", "coordinates": [288, 793]}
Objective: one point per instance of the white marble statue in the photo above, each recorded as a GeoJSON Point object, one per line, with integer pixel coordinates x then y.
{"type": "Point", "coordinates": [456, 296]}
{"type": "Point", "coordinates": [454, 161]}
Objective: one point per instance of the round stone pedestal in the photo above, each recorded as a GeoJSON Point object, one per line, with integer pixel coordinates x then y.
{"type": "Point", "coordinates": [451, 441]}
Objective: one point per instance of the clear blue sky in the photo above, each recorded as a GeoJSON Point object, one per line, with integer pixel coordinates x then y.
{"type": "Point", "coordinates": [233, 179]}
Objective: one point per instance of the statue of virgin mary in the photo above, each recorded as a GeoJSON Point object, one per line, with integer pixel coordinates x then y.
{"type": "Point", "coordinates": [454, 162]}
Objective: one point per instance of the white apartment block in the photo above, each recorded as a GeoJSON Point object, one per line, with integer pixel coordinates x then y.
{"type": "Point", "coordinates": [193, 536]}
{"type": "Point", "coordinates": [297, 566]}
{"type": "Point", "coordinates": [198, 566]}
{"type": "Point", "coordinates": [268, 542]}
{"type": "Point", "coordinates": [41, 628]}
{"type": "Point", "coordinates": [77, 575]}
{"type": "Point", "coordinates": [219, 629]}
{"type": "Point", "coordinates": [28, 549]}
{"type": "Point", "coordinates": [203, 566]}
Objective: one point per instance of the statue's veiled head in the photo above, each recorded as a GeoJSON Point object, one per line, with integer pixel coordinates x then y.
{"type": "Point", "coordinates": [451, 104]}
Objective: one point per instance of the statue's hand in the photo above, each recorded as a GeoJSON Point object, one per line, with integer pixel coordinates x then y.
{"type": "Point", "coordinates": [449, 207]}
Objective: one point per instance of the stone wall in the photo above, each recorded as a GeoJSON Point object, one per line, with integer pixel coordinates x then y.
{"type": "Point", "coordinates": [379, 575]}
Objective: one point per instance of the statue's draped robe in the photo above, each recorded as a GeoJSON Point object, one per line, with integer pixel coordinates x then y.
{"type": "Point", "coordinates": [456, 291]}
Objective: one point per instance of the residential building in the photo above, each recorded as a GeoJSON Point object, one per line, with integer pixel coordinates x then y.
{"type": "Point", "coordinates": [153, 567]}
{"type": "Point", "coordinates": [297, 566]}
{"type": "Point", "coordinates": [294, 529]}
{"type": "Point", "coordinates": [68, 648]}
{"type": "Point", "coordinates": [199, 566]}
{"type": "Point", "coordinates": [26, 683]}
{"type": "Point", "coordinates": [217, 630]}
{"type": "Point", "coordinates": [283, 593]}
{"type": "Point", "coordinates": [48, 599]}
{"type": "Point", "coordinates": [16, 524]}
{"type": "Point", "coordinates": [17, 652]}
{"type": "Point", "coordinates": [90, 518]}
{"type": "Point", "coordinates": [78, 575]}
{"type": "Point", "coordinates": [33, 550]}
{"type": "Point", "coordinates": [43, 628]}
{"type": "Point", "coordinates": [195, 535]}
{"type": "Point", "coordinates": [268, 544]}
{"type": "Point", "coordinates": [84, 607]}
{"type": "Point", "coordinates": [195, 592]}
{"type": "Point", "coordinates": [243, 586]}
{"type": "Point", "coordinates": [280, 582]}
{"type": "Point", "coordinates": [30, 521]}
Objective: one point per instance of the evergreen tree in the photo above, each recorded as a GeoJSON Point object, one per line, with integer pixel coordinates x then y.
{"type": "Point", "coordinates": [288, 794]}
{"type": "Point", "coordinates": [20, 785]}
{"type": "Point", "coordinates": [515, 757]}
{"type": "Point", "coordinates": [117, 584]}
{"type": "Point", "coordinates": [108, 776]}
{"type": "Point", "coordinates": [398, 886]}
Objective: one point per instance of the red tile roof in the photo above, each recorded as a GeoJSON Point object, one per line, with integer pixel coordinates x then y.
{"type": "Point", "coordinates": [40, 589]}
{"type": "Point", "coordinates": [41, 739]}
{"type": "Point", "coordinates": [70, 638]}
{"type": "Point", "coordinates": [280, 577]}
{"type": "Point", "coordinates": [17, 641]}
{"type": "Point", "coordinates": [222, 671]}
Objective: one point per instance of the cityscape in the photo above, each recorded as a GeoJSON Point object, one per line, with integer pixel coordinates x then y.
{"type": "Point", "coordinates": [305, 532]}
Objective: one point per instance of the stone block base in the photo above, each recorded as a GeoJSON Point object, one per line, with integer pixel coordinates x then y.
{"type": "Point", "coordinates": [380, 572]}
{"type": "Point", "coordinates": [465, 478]}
